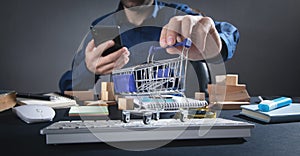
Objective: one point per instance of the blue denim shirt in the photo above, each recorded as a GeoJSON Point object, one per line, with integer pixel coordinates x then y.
{"type": "Point", "coordinates": [80, 78]}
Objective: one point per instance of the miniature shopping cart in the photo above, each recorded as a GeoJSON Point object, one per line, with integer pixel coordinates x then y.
{"type": "Point", "coordinates": [157, 86]}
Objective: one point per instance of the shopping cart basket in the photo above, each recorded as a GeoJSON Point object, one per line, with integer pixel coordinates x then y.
{"type": "Point", "coordinates": [157, 86]}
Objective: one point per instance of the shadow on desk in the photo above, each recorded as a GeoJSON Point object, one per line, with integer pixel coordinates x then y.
{"type": "Point", "coordinates": [260, 122]}
{"type": "Point", "coordinates": [174, 143]}
{"type": "Point", "coordinates": [206, 142]}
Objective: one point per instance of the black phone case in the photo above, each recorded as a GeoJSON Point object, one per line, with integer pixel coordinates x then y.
{"type": "Point", "coordinates": [102, 34]}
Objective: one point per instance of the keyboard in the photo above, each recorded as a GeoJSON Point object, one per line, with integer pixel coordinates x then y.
{"type": "Point", "coordinates": [90, 131]}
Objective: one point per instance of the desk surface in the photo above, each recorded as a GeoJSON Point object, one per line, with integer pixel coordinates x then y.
{"type": "Point", "coordinates": [19, 138]}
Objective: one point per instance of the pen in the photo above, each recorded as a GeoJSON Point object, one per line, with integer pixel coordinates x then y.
{"type": "Point", "coordinates": [65, 95]}
{"type": "Point", "coordinates": [35, 96]}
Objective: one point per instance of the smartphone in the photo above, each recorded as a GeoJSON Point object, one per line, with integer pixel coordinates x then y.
{"type": "Point", "coordinates": [103, 33]}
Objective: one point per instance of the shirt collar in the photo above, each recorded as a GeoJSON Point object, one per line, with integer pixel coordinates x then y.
{"type": "Point", "coordinates": [154, 13]}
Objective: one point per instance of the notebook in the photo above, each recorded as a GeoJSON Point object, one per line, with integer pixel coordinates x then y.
{"type": "Point", "coordinates": [57, 102]}
{"type": "Point", "coordinates": [284, 114]}
{"type": "Point", "coordinates": [88, 111]}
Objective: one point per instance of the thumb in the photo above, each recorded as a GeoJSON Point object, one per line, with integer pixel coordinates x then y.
{"type": "Point", "coordinates": [90, 46]}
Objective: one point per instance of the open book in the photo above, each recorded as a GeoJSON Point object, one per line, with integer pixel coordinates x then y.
{"type": "Point", "coordinates": [57, 102]}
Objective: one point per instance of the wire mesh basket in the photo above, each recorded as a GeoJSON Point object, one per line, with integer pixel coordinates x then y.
{"type": "Point", "coordinates": [155, 77]}
{"type": "Point", "coordinates": [151, 85]}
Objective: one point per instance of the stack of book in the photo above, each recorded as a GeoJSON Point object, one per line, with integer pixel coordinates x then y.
{"type": "Point", "coordinates": [288, 113]}
{"type": "Point", "coordinates": [88, 111]}
{"type": "Point", "coordinates": [56, 101]}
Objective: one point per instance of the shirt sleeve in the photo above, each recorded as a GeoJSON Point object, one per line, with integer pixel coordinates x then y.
{"type": "Point", "coordinates": [228, 33]}
{"type": "Point", "coordinates": [79, 77]}
{"type": "Point", "coordinates": [230, 37]}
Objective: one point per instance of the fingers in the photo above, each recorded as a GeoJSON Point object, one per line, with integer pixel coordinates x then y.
{"type": "Point", "coordinates": [105, 69]}
{"type": "Point", "coordinates": [170, 34]}
{"type": "Point", "coordinates": [99, 49]}
{"type": "Point", "coordinates": [187, 25]}
{"type": "Point", "coordinates": [204, 28]}
{"type": "Point", "coordinates": [102, 47]}
{"type": "Point", "coordinates": [114, 56]}
{"type": "Point", "coordinates": [90, 46]}
{"type": "Point", "coordinates": [123, 60]}
{"type": "Point", "coordinates": [93, 54]}
{"type": "Point", "coordinates": [178, 28]}
{"type": "Point", "coordinates": [114, 60]}
{"type": "Point", "coordinates": [163, 40]}
{"type": "Point", "coordinates": [170, 31]}
{"type": "Point", "coordinates": [118, 64]}
{"type": "Point", "coordinates": [201, 30]}
{"type": "Point", "coordinates": [103, 65]}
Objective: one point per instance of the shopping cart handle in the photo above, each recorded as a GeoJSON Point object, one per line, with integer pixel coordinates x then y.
{"type": "Point", "coordinates": [186, 43]}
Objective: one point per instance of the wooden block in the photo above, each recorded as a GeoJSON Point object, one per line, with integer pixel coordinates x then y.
{"type": "Point", "coordinates": [235, 88]}
{"type": "Point", "coordinates": [216, 98]}
{"type": "Point", "coordinates": [199, 96]}
{"type": "Point", "coordinates": [227, 105]}
{"type": "Point", "coordinates": [125, 104]}
{"type": "Point", "coordinates": [238, 96]}
{"type": "Point", "coordinates": [222, 89]}
{"type": "Point", "coordinates": [220, 79]}
{"type": "Point", "coordinates": [95, 103]}
{"type": "Point", "coordinates": [81, 95]}
{"type": "Point", "coordinates": [107, 86]}
{"type": "Point", "coordinates": [104, 95]}
{"type": "Point", "coordinates": [117, 96]}
{"type": "Point", "coordinates": [216, 89]}
{"type": "Point", "coordinates": [234, 96]}
{"type": "Point", "coordinates": [7, 100]}
{"type": "Point", "coordinates": [231, 79]}
{"type": "Point", "coordinates": [107, 91]}
{"type": "Point", "coordinates": [107, 96]}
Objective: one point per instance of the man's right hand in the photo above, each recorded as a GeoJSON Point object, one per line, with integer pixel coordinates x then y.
{"type": "Point", "coordinates": [105, 65]}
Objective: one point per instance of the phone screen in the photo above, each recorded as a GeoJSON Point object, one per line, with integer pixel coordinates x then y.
{"type": "Point", "coordinates": [103, 33]}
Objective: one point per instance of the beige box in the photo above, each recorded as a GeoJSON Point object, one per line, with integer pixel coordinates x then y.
{"type": "Point", "coordinates": [125, 104]}
{"type": "Point", "coordinates": [95, 103]}
{"type": "Point", "coordinates": [107, 96]}
{"type": "Point", "coordinates": [81, 95]}
{"type": "Point", "coordinates": [199, 96]}
{"type": "Point", "coordinates": [222, 89]}
{"type": "Point", "coordinates": [107, 86]}
{"type": "Point", "coordinates": [229, 79]}
{"type": "Point", "coordinates": [232, 79]}
{"type": "Point", "coordinates": [7, 100]}
{"type": "Point", "coordinates": [107, 91]}
{"type": "Point", "coordinates": [234, 96]}
{"type": "Point", "coordinates": [221, 79]}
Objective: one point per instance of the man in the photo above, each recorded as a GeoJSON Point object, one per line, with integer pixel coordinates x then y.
{"type": "Point", "coordinates": [143, 21]}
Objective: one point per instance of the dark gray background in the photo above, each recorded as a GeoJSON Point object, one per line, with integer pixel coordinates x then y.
{"type": "Point", "coordinates": [39, 38]}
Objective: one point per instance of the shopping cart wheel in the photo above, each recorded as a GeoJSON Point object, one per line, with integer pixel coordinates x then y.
{"type": "Point", "coordinates": [156, 116]}
{"type": "Point", "coordinates": [125, 117]}
{"type": "Point", "coordinates": [147, 118]}
{"type": "Point", "coordinates": [183, 115]}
